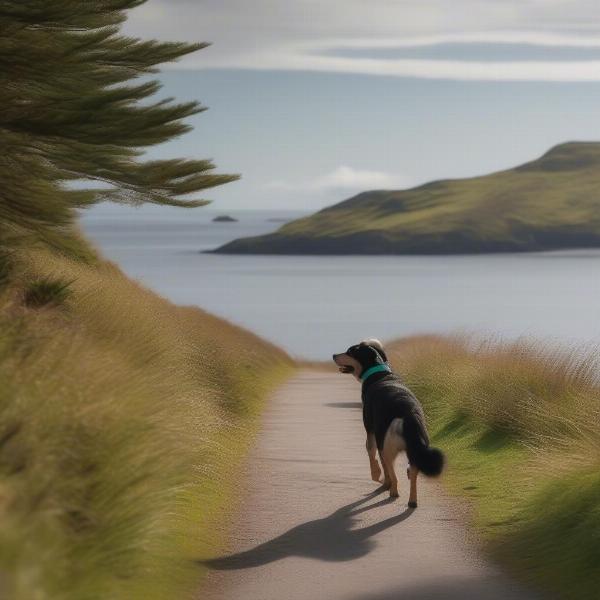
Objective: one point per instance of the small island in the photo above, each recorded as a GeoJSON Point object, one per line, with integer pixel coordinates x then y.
{"type": "Point", "coordinates": [224, 219]}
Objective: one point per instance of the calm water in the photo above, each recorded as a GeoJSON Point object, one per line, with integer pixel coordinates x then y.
{"type": "Point", "coordinates": [313, 306]}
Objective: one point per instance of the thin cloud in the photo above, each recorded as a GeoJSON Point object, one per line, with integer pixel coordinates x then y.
{"type": "Point", "coordinates": [343, 179]}
{"type": "Point", "coordinates": [534, 38]}
{"type": "Point", "coordinates": [559, 71]}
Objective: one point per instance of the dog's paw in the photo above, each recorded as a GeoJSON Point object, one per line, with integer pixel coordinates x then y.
{"type": "Point", "coordinates": [394, 493]}
{"type": "Point", "coordinates": [412, 504]}
{"type": "Point", "coordinates": [376, 475]}
{"type": "Point", "coordinates": [385, 484]}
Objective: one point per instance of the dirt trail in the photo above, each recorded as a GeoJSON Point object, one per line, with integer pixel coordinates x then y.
{"type": "Point", "coordinates": [313, 527]}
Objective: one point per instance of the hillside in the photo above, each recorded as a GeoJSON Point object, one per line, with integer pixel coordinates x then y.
{"type": "Point", "coordinates": [550, 203]}
{"type": "Point", "coordinates": [122, 420]}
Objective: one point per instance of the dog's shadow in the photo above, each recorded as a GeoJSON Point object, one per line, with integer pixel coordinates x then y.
{"type": "Point", "coordinates": [331, 538]}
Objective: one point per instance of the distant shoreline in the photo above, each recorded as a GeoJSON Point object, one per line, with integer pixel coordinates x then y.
{"type": "Point", "coordinates": [373, 245]}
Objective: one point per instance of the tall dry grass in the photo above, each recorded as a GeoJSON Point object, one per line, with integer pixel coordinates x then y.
{"type": "Point", "coordinates": [121, 416]}
{"type": "Point", "coordinates": [521, 424]}
{"type": "Point", "coordinates": [539, 393]}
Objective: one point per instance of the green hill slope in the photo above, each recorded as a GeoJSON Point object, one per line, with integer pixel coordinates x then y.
{"type": "Point", "coordinates": [552, 202]}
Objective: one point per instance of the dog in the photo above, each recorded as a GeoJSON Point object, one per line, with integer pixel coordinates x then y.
{"type": "Point", "coordinates": [393, 418]}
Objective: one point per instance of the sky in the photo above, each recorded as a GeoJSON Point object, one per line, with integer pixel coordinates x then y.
{"type": "Point", "coordinates": [314, 101]}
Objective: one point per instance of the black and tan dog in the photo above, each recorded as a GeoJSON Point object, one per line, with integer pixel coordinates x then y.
{"type": "Point", "coordinates": [393, 418]}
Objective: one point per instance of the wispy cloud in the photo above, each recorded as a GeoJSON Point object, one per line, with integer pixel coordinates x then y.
{"type": "Point", "coordinates": [302, 35]}
{"type": "Point", "coordinates": [343, 179]}
{"type": "Point", "coordinates": [535, 38]}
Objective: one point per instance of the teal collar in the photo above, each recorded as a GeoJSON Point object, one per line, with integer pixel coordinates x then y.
{"type": "Point", "coordinates": [373, 370]}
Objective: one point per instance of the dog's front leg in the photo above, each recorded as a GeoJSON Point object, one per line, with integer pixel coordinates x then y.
{"type": "Point", "coordinates": [372, 452]}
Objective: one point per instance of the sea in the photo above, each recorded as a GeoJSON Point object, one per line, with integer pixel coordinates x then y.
{"type": "Point", "coordinates": [313, 306]}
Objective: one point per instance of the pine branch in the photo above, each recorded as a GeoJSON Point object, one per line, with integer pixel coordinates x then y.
{"type": "Point", "coordinates": [71, 111]}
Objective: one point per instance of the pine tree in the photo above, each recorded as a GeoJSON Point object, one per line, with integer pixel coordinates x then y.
{"type": "Point", "coordinates": [73, 107]}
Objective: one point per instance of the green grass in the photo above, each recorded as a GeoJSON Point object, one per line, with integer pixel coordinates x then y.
{"type": "Point", "coordinates": [521, 426]}
{"type": "Point", "coordinates": [552, 202]}
{"type": "Point", "coordinates": [471, 448]}
{"type": "Point", "coordinates": [123, 419]}
{"type": "Point", "coordinates": [558, 542]}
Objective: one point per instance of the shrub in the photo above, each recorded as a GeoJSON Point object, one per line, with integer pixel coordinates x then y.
{"type": "Point", "coordinates": [47, 292]}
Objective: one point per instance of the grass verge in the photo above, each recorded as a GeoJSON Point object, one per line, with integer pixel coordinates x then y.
{"type": "Point", "coordinates": [521, 426]}
{"type": "Point", "coordinates": [122, 420]}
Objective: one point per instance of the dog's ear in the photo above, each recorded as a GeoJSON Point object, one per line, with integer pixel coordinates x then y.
{"type": "Point", "coordinates": [377, 346]}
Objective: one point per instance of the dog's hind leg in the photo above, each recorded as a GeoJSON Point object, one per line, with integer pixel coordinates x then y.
{"type": "Point", "coordinates": [413, 472]}
{"type": "Point", "coordinates": [386, 474]}
{"type": "Point", "coordinates": [393, 444]}
{"type": "Point", "coordinates": [372, 452]}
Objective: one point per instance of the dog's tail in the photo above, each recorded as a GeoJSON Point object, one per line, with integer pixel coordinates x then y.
{"type": "Point", "coordinates": [430, 461]}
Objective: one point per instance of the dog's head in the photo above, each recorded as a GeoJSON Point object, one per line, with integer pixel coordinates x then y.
{"type": "Point", "coordinates": [360, 357]}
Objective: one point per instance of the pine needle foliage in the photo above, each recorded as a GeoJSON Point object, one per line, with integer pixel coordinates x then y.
{"type": "Point", "coordinates": [77, 106]}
